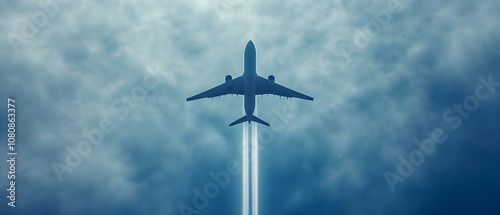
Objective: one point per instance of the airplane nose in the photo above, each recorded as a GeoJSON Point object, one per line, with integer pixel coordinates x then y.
{"type": "Point", "coordinates": [250, 43]}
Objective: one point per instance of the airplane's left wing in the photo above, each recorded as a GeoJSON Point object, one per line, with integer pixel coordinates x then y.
{"type": "Point", "coordinates": [268, 86]}
{"type": "Point", "coordinates": [231, 86]}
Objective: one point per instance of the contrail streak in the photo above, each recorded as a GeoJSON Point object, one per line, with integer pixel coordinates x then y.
{"type": "Point", "coordinates": [255, 169]}
{"type": "Point", "coordinates": [245, 168]}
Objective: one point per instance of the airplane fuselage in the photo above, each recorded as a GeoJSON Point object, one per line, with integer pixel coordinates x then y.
{"type": "Point", "coordinates": [249, 75]}
{"type": "Point", "coordinates": [249, 85]}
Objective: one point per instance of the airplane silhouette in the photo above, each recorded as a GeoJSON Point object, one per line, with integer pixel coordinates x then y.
{"type": "Point", "coordinates": [250, 84]}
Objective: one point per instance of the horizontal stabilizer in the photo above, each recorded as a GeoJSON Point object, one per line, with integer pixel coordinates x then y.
{"type": "Point", "coordinates": [253, 118]}
{"type": "Point", "coordinates": [240, 120]}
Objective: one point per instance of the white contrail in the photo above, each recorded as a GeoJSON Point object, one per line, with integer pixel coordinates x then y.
{"type": "Point", "coordinates": [245, 167]}
{"type": "Point", "coordinates": [255, 169]}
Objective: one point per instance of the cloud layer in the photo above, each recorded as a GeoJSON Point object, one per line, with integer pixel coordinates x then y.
{"type": "Point", "coordinates": [72, 65]}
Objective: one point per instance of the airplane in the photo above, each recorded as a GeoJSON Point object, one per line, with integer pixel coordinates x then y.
{"type": "Point", "coordinates": [249, 84]}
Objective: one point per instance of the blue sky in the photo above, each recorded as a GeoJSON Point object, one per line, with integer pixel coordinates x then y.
{"type": "Point", "coordinates": [379, 83]}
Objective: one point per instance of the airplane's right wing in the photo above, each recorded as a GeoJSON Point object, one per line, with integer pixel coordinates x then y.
{"type": "Point", "coordinates": [232, 86]}
{"type": "Point", "coordinates": [268, 86]}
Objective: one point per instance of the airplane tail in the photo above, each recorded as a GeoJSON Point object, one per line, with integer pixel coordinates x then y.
{"type": "Point", "coordinates": [255, 119]}
{"type": "Point", "coordinates": [244, 119]}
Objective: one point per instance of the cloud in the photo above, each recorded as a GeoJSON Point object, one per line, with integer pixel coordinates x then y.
{"type": "Point", "coordinates": [329, 158]}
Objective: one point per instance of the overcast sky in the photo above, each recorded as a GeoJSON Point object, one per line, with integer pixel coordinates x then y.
{"type": "Point", "coordinates": [383, 74]}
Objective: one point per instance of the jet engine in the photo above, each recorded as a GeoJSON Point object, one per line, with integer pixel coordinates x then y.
{"type": "Point", "coordinates": [270, 80]}
{"type": "Point", "coordinates": [229, 80]}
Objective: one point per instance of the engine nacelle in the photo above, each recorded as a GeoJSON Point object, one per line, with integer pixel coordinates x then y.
{"type": "Point", "coordinates": [270, 80]}
{"type": "Point", "coordinates": [229, 80]}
